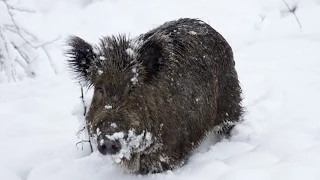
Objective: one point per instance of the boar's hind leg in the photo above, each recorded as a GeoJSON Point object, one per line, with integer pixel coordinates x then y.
{"type": "Point", "coordinates": [229, 110]}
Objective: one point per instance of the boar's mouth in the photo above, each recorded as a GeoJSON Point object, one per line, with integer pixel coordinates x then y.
{"type": "Point", "coordinates": [122, 145]}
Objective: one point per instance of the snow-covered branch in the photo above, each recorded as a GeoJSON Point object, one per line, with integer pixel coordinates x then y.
{"type": "Point", "coordinates": [19, 47]}
{"type": "Point", "coordinates": [293, 11]}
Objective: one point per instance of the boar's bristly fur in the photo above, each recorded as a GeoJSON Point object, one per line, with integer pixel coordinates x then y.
{"type": "Point", "coordinates": [80, 58]}
{"type": "Point", "coordinates": [158, 95]}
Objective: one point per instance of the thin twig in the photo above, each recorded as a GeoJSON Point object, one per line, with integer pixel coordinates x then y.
{"type": "Point", "coordinates": [24, 56]}
{"type": "Point", "coordinates": [90, 145]}
{"type": "Point", "coordinates": [83, 102]}
{"type": "Point", "coordinates": [18, 9]}
{"type": "Point", "coordinates": [85, 113]}
{"type": "Point", "coordinates": [18, 29]}
{"type": "Point", "coordinates": [51, 62]}
{"type": "Point", "coordinates": [46, 43]}
{"type": "Point", "coordinates": [82, 141]}
{"type": "Point", "coordinates": [21, 10]}
{"type": "Point", "coordinates": [7, 49]}
{"type": "Point", "coordinates": [81, 130]}
{"type": "Point", "coordinates": [12, 29]}
{"type": "Point", "coordinates": [293, 11]}
{"type": "Point", "coordinates": [20, 63]}
{"type": "Point", "coordinates": [4, 41]}
{"type": "Point", "coordinates": [13, 73]}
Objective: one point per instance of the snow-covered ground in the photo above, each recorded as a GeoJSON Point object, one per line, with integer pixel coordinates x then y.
{"type": "Point", "coordinates": [278, 66]}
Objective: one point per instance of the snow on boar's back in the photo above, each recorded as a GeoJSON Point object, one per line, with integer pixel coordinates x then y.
{"type": "Point", "coordinates": [158, 95]}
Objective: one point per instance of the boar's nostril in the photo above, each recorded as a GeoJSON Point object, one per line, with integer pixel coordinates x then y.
{"type": "Point", "coordinates": [109, 147]}
{"type": "Point", "coordinates": [115, 147]}
{"type": "Point", "coordinates": [103, 149]}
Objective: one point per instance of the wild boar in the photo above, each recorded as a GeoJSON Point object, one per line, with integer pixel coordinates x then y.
{"type": "Point", "coordinates": [156, 96]}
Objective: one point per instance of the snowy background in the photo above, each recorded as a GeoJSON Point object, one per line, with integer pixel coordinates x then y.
{"type": "Point", "coordinates": [277, 61]}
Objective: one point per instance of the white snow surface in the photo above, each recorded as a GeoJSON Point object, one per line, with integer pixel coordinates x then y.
{"type": "Point", "coordinates": [278, 65]}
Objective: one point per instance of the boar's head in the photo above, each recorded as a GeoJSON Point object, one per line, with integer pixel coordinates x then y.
{"type": "Point", "coordinates": [119, 70]}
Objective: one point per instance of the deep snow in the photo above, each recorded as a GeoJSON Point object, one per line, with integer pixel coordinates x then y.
{"type": "Point", "coordinates": [278, 66]}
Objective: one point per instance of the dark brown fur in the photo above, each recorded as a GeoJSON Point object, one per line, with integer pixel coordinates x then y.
{"type": "Point", "coordinates": [186, 86]}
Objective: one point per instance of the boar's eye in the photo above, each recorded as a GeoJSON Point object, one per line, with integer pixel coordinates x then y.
{"type": "Point", "coordinates": [132, 88]}
{"type": "Point", "coordinates": [99, 89]}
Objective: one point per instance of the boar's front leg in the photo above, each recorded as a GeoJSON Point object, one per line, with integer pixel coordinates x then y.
{"type": "Point", "coordinates": [154, 163]}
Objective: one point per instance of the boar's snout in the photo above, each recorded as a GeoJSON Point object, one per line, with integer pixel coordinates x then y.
{"type": "Point", "coordinates": [109, 147]}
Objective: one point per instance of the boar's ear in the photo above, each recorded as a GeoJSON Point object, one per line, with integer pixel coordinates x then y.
{"type": "Point", "coordinates": [151, 56]}
{"type": "Point", "coordinates": [80, 58]}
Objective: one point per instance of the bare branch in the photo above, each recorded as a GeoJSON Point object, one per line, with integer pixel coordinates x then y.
{"type": "Point", "coordinates": [10, 28]}
{"type": "Point", "coordinates": [13, 74]}
{"type": "Point", "coordinates": [17, 8]}
{"type": "Point", "coordinates": [4, 41]}
{"type": "Point", "coordinates": [10, 73]}
{"type": "Point", "coordinates": [18, 29]}
{"type": "Point", "coordinates": [46, 43]}
{"type": "Point", "coordinates": [29, 34]}
{"type": "Point", "coordinates": [293, 11]}
{"type": "Point", "coordinates": [82, 98]}
{"type": "Point", "coordinates": [50, 59]}
{"type": "Point", "coordinates": [83, 141]}
{"type": "Point", "coordinates": [24, 56]}
{"type": "Point", "coordinates": [27, 39]}
{"type": "Point", "coordinates": [21, 10]}
{"type": "Point", "coordinates": [21, 63]}
{"type": "Point", "coordinates": [85, 113]}
{"type": "Point", "coordinates": [81, 130]}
